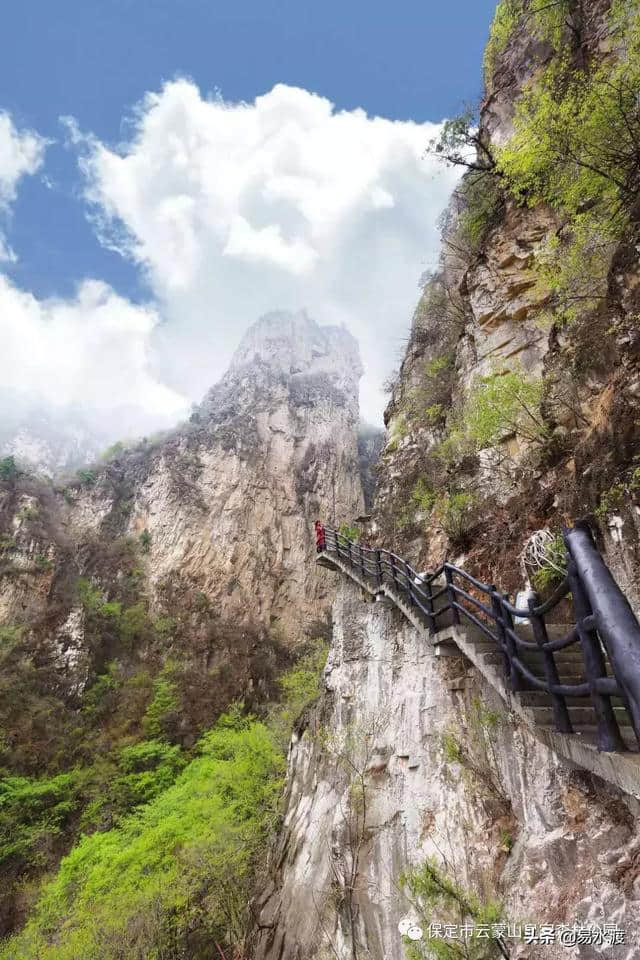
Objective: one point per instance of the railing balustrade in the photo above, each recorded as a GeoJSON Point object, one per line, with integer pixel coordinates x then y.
{"type": "Point", "coordinates": [606, 630]}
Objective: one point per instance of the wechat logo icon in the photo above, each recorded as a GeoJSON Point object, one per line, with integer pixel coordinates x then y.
{"type": "Point", "coordinates": [410, 928]}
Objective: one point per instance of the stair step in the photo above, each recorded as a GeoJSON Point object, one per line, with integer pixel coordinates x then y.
{"type": "Point", "coordinates": [482, 644]}
{"type": "Point", "coordinates": [580, 716]}
{"type": "Point", "coordinates": [554, 630]}
{"type": "Point", "coordinates": [589, 731]}
{"type": "Point", "coordinates": [570, 653]}
{"type": "Point", "coordinates": [537, 698]}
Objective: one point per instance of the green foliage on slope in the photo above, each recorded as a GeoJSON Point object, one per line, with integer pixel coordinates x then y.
{"type": "Point", "coordinates": [300, 687]}
{"type": "Point", "coordinates": [505, 20]}
{"type": "Point", "coordinates": [575, 147]}
{"type": "Point", "coordinates": [172, 840]}
{"type": "Point", "coordinates": [177, 874]}
{"type": "Point", "coordinates": [503, 404]}
{"type": "Point", "coordinates": [439, 898]}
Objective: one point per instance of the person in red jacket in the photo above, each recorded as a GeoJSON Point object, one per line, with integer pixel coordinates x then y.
{"type": "Point", "coordinates": [320, 542]}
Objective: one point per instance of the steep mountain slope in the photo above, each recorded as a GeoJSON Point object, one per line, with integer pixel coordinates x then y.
{"type": "Point", "coordinates": [140, 600]}
{"type": "Point", "coordinates": [217, 514]}
{"type": "Point", "coordinates": [517, 404]}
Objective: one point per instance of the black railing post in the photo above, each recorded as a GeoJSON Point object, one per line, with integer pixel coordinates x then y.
{"type": "Point", "coordinates": [512, 646]}
{"type": "Point", "coordinates": [379, 566]}
{"type": "Point", "coordinates": [430, 607]}
{"type": "Point", "coordinates": [448, 575]}
{"type": "Point", "coordinates": [561, 716]}
{"type": "Point", "coordinates": [349, 558]}
{"type": "Point", "coordinates": [362, 566]}
{"type": "Point", "coordinates": [394, 574]}
{"type": "Point", "coordinates": [496, 606]}
{"type": "Point", "coordinates": [617, 624]}
{"type": "Point", "coordinates": [609, 737]}
{"type": "Point", "coordinates": [409, 582]}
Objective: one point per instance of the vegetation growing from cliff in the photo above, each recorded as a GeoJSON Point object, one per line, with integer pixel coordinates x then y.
{"type": "Point", "coordinates": [440, 898]}
{"type": "Point", "coordinates": [551, 20]}
{"type": "Point", "coordinates": [8, 469]}
{"type": "Point", "coordinates": [300, 687]}
{"type": "Point", "coordinates": [176, 875]}
{"type": "Point", "coordinates": [83, 762]}
{"type": "Point", "coordinates": [504, 404]}
{"type": "Point", "coordinates": [505, 20]}
{"type": "Point", "coordinates": [575, 147]}
{"type": "Point", "coordinates": [172, 840]}
{"type": "Point", "coordinates": [473, 749]}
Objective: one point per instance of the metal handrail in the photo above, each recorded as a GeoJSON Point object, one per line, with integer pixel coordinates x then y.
{"type": "Point", "coordinates": [606, 629]}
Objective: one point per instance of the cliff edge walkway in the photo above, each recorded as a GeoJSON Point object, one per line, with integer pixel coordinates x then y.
{"type": "Point", "coordinates": [576, 685]}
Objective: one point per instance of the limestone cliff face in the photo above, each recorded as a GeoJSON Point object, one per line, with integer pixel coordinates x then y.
{"type": "Point", "coordinates": [512, 821]}
{"type": "Point", "coordinates": [487, 311]}
{"type": "Point", "coordinates": [215, 520]}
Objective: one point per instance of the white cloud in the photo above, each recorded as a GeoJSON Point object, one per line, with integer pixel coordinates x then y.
{"type": "Point", "coordinates": [21, 154]}
{"type": "Point", "coordinates": [90, 353]}
{"type": "Point", "coordinates": [232, 210]}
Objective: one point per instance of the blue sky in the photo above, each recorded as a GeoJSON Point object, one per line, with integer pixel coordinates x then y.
{"type": "Point", "coordinates": [93, 61]}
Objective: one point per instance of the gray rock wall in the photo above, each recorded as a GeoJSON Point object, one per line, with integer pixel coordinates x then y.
{"type": "Point", "coordinates": [513, 820]}
{"type": "Point", "coordinates": [227, 502]}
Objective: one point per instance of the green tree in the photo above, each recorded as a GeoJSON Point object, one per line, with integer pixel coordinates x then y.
{"type": "Point", "coordinates": [8, 468]}
{"type": "Point", "coordinates": [175, 877]}
{"type": "Point", "coordinates": [161, 712]}
{"type": "Point", "coordinates": [439, 897]}
{"type": "Point", "coordinates": [575, 147]}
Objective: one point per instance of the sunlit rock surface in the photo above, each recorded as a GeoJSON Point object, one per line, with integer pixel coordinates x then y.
{"type": "Point", "coordinates": [225, 504]}
{"type": "Point", "coordinates": [555, 845]}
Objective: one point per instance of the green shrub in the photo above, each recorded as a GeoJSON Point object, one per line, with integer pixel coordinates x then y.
{"type": "Point", "coordinates": [552, 564]}
{"type": "Point", "coordinates": [9, 636]}
{"type": "Point", "coordinates": [138, 773]}
{"type": "Point", "coordinates": [86, 477]}
{"type": "Point", "coordinates": [437, 895]}
{"type": "Point", "coordinates": [399, 429]}
{"type": "Point", "coordinates": [161, 712]}
{"type": "Point", "coordinates": [482, 205]}
{"type": "Point", "coordinates": [503, 403]}
{"type": "Point", "coordinates": [300, 686]}
{"type": "Point", "coordinates": [349, 533]}
{"type": "Point", "coordinates": [438, 366]}
{"type": "Point", "coordinates": [505, 20]}
{"type": "Point", "coordinates": [8, 468]}
{"type": "Point", "coordinates": [99, 698]}
{"type": "Point", "coordinates": [174, 877]}
{"type": "Point", "coordinates": [145, 541]}
{"type": "Point", "coordinates": [423, 495]}
{"type": "Point", "coordinates": [164, 627]}
{"type": "Point", "coordinates": [135, 625]}
{"type": "Point", "coordinates": [33, 814]}
{"type": "Point", "coordinates": [115, 450]}
{"type": "Point", "coordinates": [90, 596]}
{"type": "Point", "coordinates": [111, 610]}
{"type": "Point", "coordinates": [575, 148]}
{"type": "Point", "coordinates": [614, 497]}
{"type": "Point", "coordinates": [456, 513]}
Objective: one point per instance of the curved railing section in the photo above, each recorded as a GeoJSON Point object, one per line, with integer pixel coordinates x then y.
{"type": "Point", "coordinates": [605, 630]}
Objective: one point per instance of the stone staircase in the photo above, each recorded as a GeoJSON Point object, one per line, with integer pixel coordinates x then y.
{"type": "Point", "coordinates": [534, 707]}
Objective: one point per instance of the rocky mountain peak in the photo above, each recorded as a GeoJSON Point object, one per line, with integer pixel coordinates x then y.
{"type": "Point", "coordinates": [292, 344]}
{"type": "Point", "coordinates": [295, 343]}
